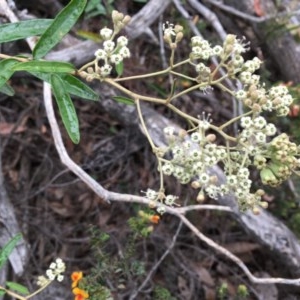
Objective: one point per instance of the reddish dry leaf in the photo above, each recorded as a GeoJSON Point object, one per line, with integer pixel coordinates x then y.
{"type": "Point", "coordinates": [8, 128]}
{"type": "Point", "coordinates": [258, 9]}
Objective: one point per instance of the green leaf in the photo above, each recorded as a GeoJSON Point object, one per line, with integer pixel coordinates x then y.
{"type": "Point", "coordinates": [76, 87]}
{"type": "Point", "coordinates": [45, 67]}
{"type": "Point", "coordinates": [2, 292]}
{"type": "Point", "coordinates": [120, 68]}
{"type": "Point", "coordinates": [6, 71]}
{"type": "Point", "coordinates": [61, 25]}
{"type": "Point", "coordinates": [73, 85]}
{"type": "Point", "coordinates": [124, 100]}
{"type": "Point", "coordinates": [66, 108]}
{"type": "Point", "coordinates": [21, 30]}
{"type": "Point", "coordinates": [8, 248]}
{"type": "Point", "coordinates": [17, 287]}
{"type": "Point", "coordinates": [7, 90]}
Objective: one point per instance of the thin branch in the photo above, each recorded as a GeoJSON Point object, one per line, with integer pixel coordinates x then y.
{"type": "Point", "coordinates": [248, 17]}
{"type": "Point", "coordinates": [6, 11]}
{"type": "Point", "coordinates": [234, 258]}
{"type": "Point", "coordinates": [209, 16]}
{"type": "Point", "coordinates": [158, 263]}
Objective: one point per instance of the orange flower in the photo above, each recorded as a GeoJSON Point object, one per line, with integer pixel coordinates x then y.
{"type": "Point", "coordinates": [76, 276]}
{"type": "Point", "coordinates": [154, 219]}
{"type": "Point", "coordinates": [80, 294]}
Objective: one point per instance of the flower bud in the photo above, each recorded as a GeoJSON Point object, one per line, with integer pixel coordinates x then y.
{"type": "Point", "coordinates": [211, 138]}
{"type": "Point", "coordinates": [267, 176]}
{"type": "Point", "coordinates": [126, 20]}
{"type": "Point", "coordinates": [200, 197]}
{"type": "Point", "coordinates": [195, 184]}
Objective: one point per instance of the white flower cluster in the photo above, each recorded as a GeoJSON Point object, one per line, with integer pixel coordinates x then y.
{"type": "Point", "coordinates": [158, 198]}
{"type": "Point", "coordinates": [201, 48]}
{"type": "Point", "coordinates": [112, 53]}
{"type": "Point", "coordinates": [256, 130]}
{"type": "Point", "coordinates": [56, 269]}
{"type": "Point", "coordinates": [194, 155]}
{"type": "Point", "coordinates": [258, 99]}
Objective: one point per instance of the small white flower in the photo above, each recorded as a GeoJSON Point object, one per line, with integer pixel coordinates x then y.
{"type": "Point", "coordinates": [170, 200]}
{"type": "Point", "coordinates": [245, 184]}
{"type": "Point", "coordinates": [169, 131]}
{"type": "Point", "coordinates": [270, 129]}
{"type": "Point", "coordinates": [100, 54]}
{"type": "Point", "coordinates": [185, 178]}
{"type": "Point", "coordinates": [105, 70]}
{"type": "Point", "coordinates": [246, 122]}
{"type": "Point", "coordinates": [124, 52]}
{"type": "Point", "coordinates": [177, 152]}
{"type": "Point", "coordinates": [204, 124]}
{"type": "Point", "coordinates": [196, 50]}
{"type": "Point", "coordinates": [106, 33]}
{"type": "Point", "coordinates": [204, 178]}
{"type": "Point", "coordinates": [122, 41]}
{"type": "Point", "coordinates": [60, 278]}
{"type": "Point", "coordinates": [116, 58]}
{"type": "Point", "coordinates": [217, 50]}
{"type": "Point", "coordinates": [196, 40]}
{"type": "Point", "coordinates": [178, 172]}
{"type": "Point", "coordinates": [151, 194]}
{"type": "Point", "coordinates": [161, 210]}
{"type": "Point", "coordinates": [52, 265]}
{"type": "Point", "coordinates": [238, 60]}
{"type": "Point", "coordinates": [243, 173]}
{"type": "Point", "coordinates": [240, 193]}
{"type": "Point", "coordinates": [221, 153]}
{"type": "Point", "coordinates": [231, 180]}
{"type": "Point", "coordinates": [210, 149]}
{"type": "Point", "coordinates": [260, 137]}
{"type": "Point", "coordinates": [195, 154]}
{"type": "Point", "coordinates": [108, 46]}
{"type": "Point", "coordinates": [196, 137]}
{"type": "Point", "coordinates": [241, 95]}
{"type": "Point", "coordinates": [212, 191]}
{"type": "Point", "coordinates": [205, 54]}
{"type": "Point", "coordinates": [198, 167]}
{"type": "Point", "coordinates": [168, 169]}
{"type": "Point", "coordinates": [287, 100]}
{"type": "Point", "coordinates": [187, 145]}
{"type": "Point", "coordinates": [50, 274]}
{"type": "Point", "coordinates": [259, 122]}
{"type": "Point", "coordinates": [245, 77]}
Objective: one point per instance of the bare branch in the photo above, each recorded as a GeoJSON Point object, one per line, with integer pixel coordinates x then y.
{"type": "Point", "coordinates": [158, 263]}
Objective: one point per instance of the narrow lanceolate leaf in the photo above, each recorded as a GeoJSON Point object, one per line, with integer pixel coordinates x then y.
{"type": "Point", "coordinates": [19, 288]}
{"type": "Point", "coordinates": [8, 248]}
{"type": "Point", "coordinates": [45, 67]}
{"type": "Point", "coordinates": [124, 100]}
{"type": "Point", "coordinates": [21, 30]}
{"type": "Point", "coordinates": [61, 25]}
{"type": "Point", "coordinates": [73, 85]}
{"type": "Point", "coordinates": [66, 108]}
{"type": "Point", "coordinates": [76, 87]}
{"type": "Point", "coordinates": [120, 68]}
{"type": "Point", "coordinates": [6, 71]}
{"type": "Point", "coordinates": [7, 90]}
